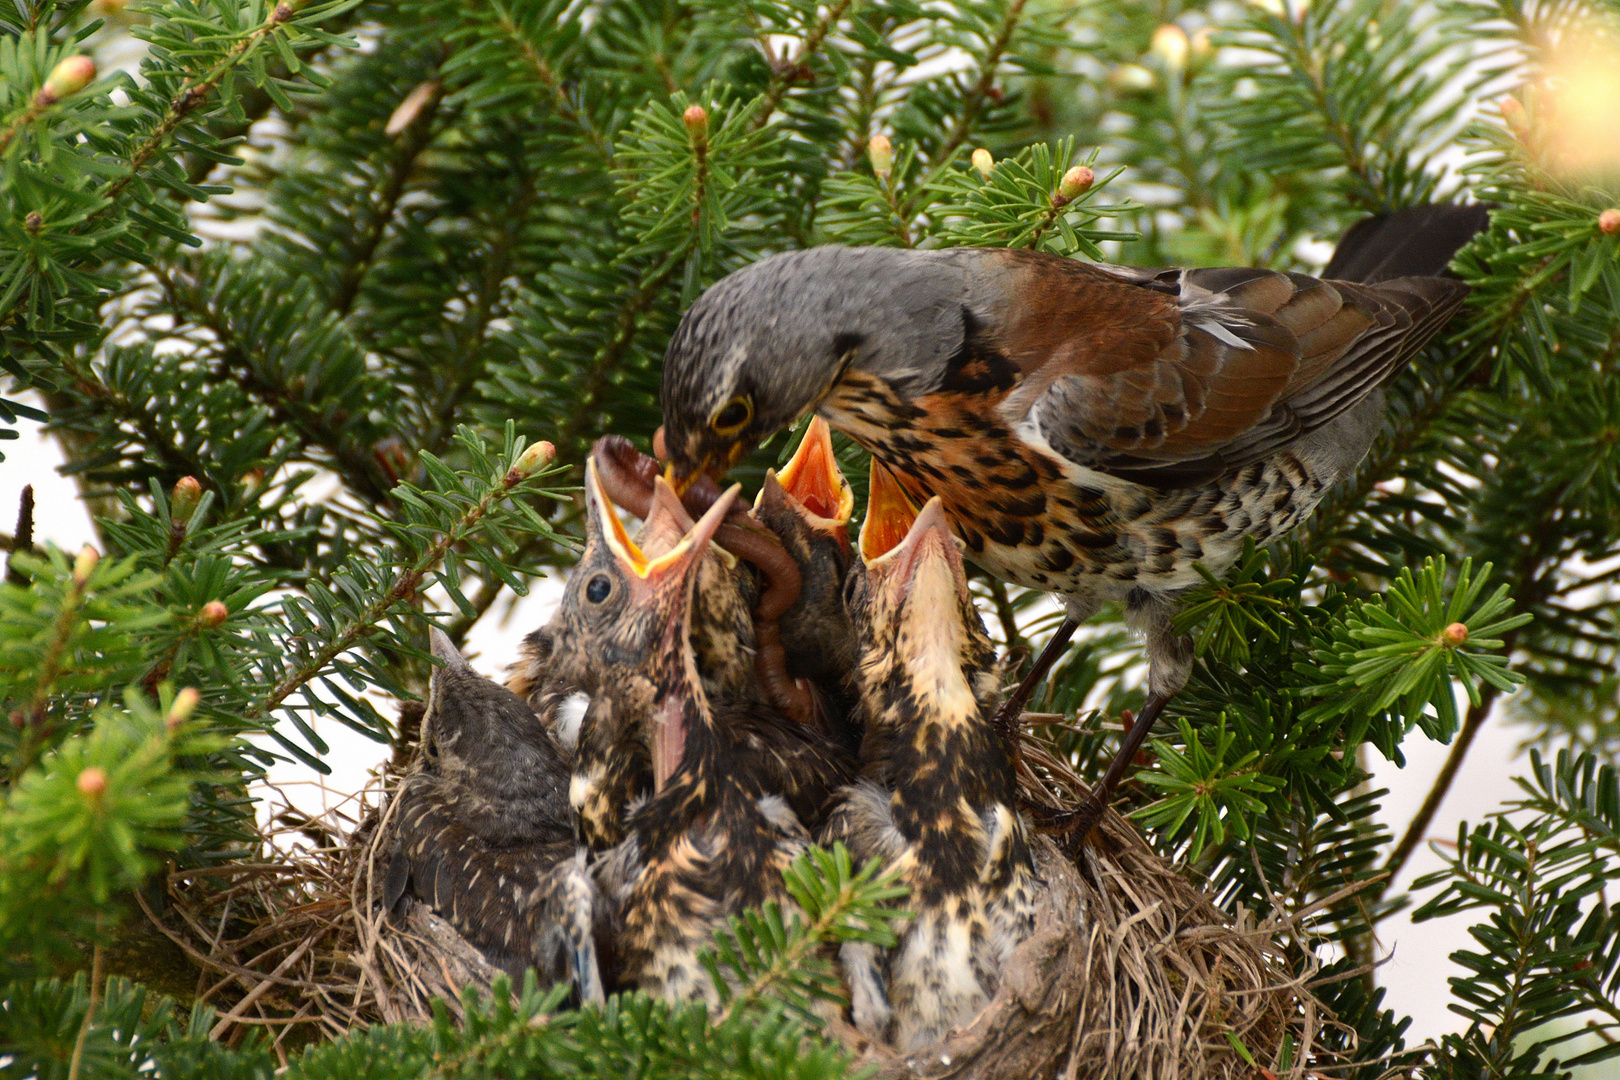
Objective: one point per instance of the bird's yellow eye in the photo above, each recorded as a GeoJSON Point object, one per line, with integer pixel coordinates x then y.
{"type": "Point", "coordinates": [734, 417]}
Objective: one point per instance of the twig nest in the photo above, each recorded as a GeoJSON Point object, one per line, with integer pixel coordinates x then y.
{"type": "Point", "coordinates": [1026, 1027]}
{"type": "Point", "coordinates": [1131, 973]}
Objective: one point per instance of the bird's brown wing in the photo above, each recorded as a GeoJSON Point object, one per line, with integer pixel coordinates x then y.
{"type": "Point", "coordinates": [1175, 377]}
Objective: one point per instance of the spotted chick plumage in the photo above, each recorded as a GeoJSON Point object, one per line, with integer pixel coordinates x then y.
{"type": "Point", "coordinates": [936, 800]}
{"type": "Point", "coordinates": [482, 833]}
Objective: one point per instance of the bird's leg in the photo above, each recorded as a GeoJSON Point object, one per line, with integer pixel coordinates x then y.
{"type": "Point", "coordinates": [1078, 823]}
{"type": "Point", "coordinates": [1008, 718]}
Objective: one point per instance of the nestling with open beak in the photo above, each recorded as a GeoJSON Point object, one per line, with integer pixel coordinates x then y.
{"type": "Point", "coordinates": [808, 506]}
{"type": "Point", "coordinates": [712, 839]}
{"type": "Point", "coordinates": [601, 631]}
{"type": "Point", "coordinates": [936, 799]}
{"type": "Point", "coordinates": [482, 833]}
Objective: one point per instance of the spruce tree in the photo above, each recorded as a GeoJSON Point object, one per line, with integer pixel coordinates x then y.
{"type": "Point", "coordinates": [301, 296]}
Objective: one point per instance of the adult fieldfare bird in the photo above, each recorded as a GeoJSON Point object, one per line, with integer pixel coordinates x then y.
{"type": "Point", "coordinates": [1091, 430]}
{"type": "Point", "coordinates": [936, 800]}
{"type": "Point", "coordinates": [604, 634]}
{"type": "Point", "coordinates": [482, 832]}
{"type": "Point", "coordinates": [713, 838]}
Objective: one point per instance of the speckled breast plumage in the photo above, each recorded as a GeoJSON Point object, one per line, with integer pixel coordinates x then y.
{"type": "Point", "coordinates": [1033, 519]}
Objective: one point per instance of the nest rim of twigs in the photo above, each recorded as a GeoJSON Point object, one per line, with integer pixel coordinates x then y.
{"type": "Point", "coordinates": [1144, 975]}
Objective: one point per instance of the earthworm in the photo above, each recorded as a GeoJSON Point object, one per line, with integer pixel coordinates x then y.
{"type": "Point", "coordinates": [628, 476]}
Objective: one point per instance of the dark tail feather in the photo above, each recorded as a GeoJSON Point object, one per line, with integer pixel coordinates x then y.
{"type": "Point", "coordinates": [1416, 242]}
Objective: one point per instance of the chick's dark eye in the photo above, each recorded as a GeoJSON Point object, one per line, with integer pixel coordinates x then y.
{"type": "Point", "coordinates": [734, 417]}
{"type": "Point", "coordinates": [597, 589]}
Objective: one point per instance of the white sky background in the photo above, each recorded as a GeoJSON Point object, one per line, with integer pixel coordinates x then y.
{"type": "Point", "coordinates": [1418, 963]}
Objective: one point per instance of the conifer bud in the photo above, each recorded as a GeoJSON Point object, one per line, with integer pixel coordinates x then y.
{"type": "Point", "coordinates": [34, 222]}
{"type": "Point", "coordinates": [1130, 78]}
{"type": "Point", "coordinates": [880, 152]}
{"type": "Point", "coordinates": [85, 565]}
{"type": "Point", "coordinates": [181, 708]}
{"type": "Point", "coordinates": [18, 719]}
{"type": "Point", "coordinates": [410, 110]}
{"type": "Point", "coordinates": [93, 783]}
{"type": "Point", "coordinates": [1513, 113]}
{"type": "Point", "coordinates": [1170, 44]}
{"type": "Point", "coordinates": [1609, 221]}
{"type": "Point", "coordinates": [183, 499]}
{"type": "Point", "coordinates": [213, 614]}
{"type": "Point", "coordinates": [984, 161]}
{"type": "Point", "coordinates": [1076, 182]}
{"type": "Point", "coordinates": [534, 458]}
{"type": "Point", "coordinates": [70, 76]}
{"type": "Point", "coordinates": [696, 119]}
{"type": "Point", "coordinates": [1203, 44]}
{"type": "Point", "coordinates": [1454, 635]}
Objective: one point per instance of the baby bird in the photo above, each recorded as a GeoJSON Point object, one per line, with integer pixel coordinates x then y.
{"type": "Point", "coordinates": [538, 679]}
{"type": "Point", "coordinates": [482, 832]}
{"type": "Point", "coordinates": [808, 506]}
{"type": "Point", "coordinates": [613, 767]}
{"type": "Point", "coordinates": [712, 839]}
{"type": "Point", "coordinates": [936, 797]}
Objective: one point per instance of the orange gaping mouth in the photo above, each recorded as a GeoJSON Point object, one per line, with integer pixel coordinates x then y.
{"type": "Point", "coordinates": [813, 478]}
{"type": "Point", "coordinates": [889, 515]}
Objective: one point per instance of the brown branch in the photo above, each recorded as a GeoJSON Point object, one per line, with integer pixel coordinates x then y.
{"type": "Point", "coordinates": [23, 538]}
{"type": "Point", "coordinates": [419, 135]}
{"type": "Point", "coordinates": [472, 331]}
{"type": "Point", "coordinates": [784, 73]}
{"type": "Point", "coordinates": [973, 104]}
{"type": "Point", "coordinates": [1420, 822]}
{"type": "Point", "coordinates": [1529, 591]}
{"type": "Point", "coordinates": [97, 976]}
{"type": "Point", "coordinates": [191, 96]}
{"type": "Point", "coordinates": [553, 82]}
{"type": "Point", "coordinates": [405, 588]}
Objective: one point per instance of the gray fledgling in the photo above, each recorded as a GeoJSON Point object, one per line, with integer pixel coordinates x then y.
{"type": "Point", "coordinates": [483, 834]}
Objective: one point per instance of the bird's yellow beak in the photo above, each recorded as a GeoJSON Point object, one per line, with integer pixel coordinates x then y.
{"type": "Point", "coordinates": [813, 478]}
{"type": "Point", "coordinates": [889, 514]}
{"type": "Point", "coordinates": [670, 564]}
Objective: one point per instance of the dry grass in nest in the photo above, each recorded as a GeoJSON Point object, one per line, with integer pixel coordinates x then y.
{"type": "Point", "coordinates": [1132, 972]}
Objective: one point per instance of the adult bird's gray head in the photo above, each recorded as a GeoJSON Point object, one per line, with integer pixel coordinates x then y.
{"type": "Point", "coordinates": [764, 346]}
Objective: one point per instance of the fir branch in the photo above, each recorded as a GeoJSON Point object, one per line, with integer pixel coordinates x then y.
{"type": "Point", "coordinates": [1530, 591]}
{"type": "Point", "coordinates": [578, 424]}
{"type": "Point", "coordinates": [473, 331]}
{"type": "Point", "coordinates": [193, 94]}
{"type": "Point", "coordinates": [404, 589]}
{"type": "Point", "coordinates": [554, 86]}
{"type": "Point", "coordinates": [155, 439]}
{"type": "Point", "coordinates": [784, 73]}
{"type": "Point", "coordinates": [188, 300]}
{"type": "Point", "coordinates": [419, 136]}
{"type": "Point", "coordinates": [972, 105]}
{"type": "Point", "coordinates": [1418, 827]}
